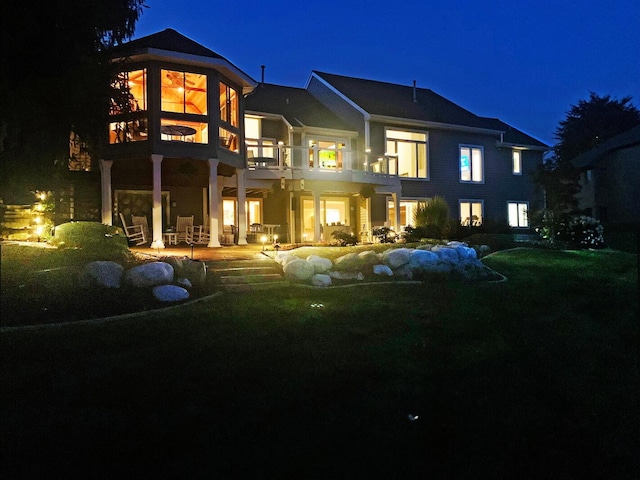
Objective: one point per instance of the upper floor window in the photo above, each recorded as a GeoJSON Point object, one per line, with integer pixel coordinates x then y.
{"type": "Point", "coordinates": [327, 154]}
{"type": "Point", "coordinates": [257, 146]}
{"type": "Point", "coordinates": [517, 162]}
{"type": "Point", "coordinates": [128, 107]}
{"type": "Point", "coordinates": [228, 105]}
{"type": "Point", "coordinates": [183, 92]}
{"type": "Point", "coordinates": [410, 149]}
{"type": "Point", "coordinates": [471, 164]}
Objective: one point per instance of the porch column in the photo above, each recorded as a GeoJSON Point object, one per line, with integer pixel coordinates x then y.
{"type": "Point", "coordinates": [157, 202]}
{"type": "Point", "coordinates": [316, 216]}
{"type": "Point", "coordinates": [214, 204]}
{"type": "Point", "coordinates": [105, 183]}
{"type": "Point", "coordinates": [395, 198]}
{"type": "Point", "coordinates": [242, 211]}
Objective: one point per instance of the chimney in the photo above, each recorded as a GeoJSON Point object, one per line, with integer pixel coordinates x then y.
{"type": "Point", "coordinates": [262, 67]}
{"type": "Point", "coordinates": [415, 97]}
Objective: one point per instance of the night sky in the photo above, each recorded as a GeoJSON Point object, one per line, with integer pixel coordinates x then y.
{"type": "Point", "coordinates": [524, 62]}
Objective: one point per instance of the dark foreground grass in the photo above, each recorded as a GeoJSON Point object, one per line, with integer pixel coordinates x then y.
{"type": "Point", "coordinates": [536, 377]}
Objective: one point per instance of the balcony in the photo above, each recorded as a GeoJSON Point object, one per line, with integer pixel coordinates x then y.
{"type": "Point", "coordinates": [314, 163]}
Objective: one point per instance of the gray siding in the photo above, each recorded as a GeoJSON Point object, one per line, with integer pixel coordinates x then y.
{"type": "Point", "coordinates": [337, 105]}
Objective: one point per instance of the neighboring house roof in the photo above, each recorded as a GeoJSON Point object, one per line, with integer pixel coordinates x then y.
{"type": "Point", "coordinates": [397, 101]}
{"type": "Point", "coordinates": [296, 105]}
{"type": "Point", "coordinates": [172, 41]}
{"type": "Point", "coordinates": [624, 140]}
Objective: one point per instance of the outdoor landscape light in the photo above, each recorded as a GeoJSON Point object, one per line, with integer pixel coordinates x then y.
{"type": "Point", "coordinates": [263, 239]}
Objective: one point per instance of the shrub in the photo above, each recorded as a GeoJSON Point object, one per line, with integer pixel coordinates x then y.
{"type": "Point", "coordinates": [582, 231]}
{"type": "Point", "coordinates": [344, 238]}
{"type": "Point", "coordinates": [384, 235]}
{"type": "Point", "coordinates": [95, 239]}
{"type": "Point", "coordinates": [434, 216]}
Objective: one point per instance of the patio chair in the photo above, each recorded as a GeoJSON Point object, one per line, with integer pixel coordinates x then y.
{"type": "Point", "coordinates": [134, 233]}
{"type": "Point", "coordinates": [142, 221]}
{"type": "Point", "coordinates": [181, 228]}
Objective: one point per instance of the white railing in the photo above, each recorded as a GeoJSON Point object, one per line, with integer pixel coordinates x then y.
{"type": "Point", "coordinates": [316, 159]}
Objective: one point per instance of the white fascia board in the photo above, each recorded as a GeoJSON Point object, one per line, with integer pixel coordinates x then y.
{"type": "Point", "coordinates": [222, 65]}
{"type": "Point", "coordinates": [270, 116]}
{"type": "Point", "coordinates": [519, 146]}
{"type": "Point", "coordinates": [407, 122]}
{"type": "Point", "coordinates": [339, 94]}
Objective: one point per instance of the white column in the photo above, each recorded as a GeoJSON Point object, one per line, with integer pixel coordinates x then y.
{"type": "Point", "coordinates": [395, 198]}
{"type": "Point", "coordinates": [157, 202]}
{"type": "Point", "coordinates": [214, 204]}
{"type": "Point", "coordinates": [316, 216]}
{"type": "Point", "coordinates": [105, 183]}
{"type": "Point", "coordinates": [242, 211]}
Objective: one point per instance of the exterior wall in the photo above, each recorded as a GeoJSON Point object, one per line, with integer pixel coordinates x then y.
{"type": "Point", "coordinates": [337, 105]}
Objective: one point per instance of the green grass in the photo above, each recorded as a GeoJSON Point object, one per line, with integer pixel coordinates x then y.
{"type": "Point", "coordinates": [536, 377]}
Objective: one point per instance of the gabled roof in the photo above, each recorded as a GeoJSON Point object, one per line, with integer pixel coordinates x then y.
{"type": "Point", "coordinates": [296, 105]}
{"type": "Point", "coordinates": [624, 140]}
{"type": "Point", "coordinates": [169, 42]}
{"type": "Point", "coordinates": [397, 101]}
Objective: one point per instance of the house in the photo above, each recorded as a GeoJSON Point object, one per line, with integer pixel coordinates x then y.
{"type": "Point", "coordinates": [609, 179]}
{"type": "Point", "coordinates": [190, 133]}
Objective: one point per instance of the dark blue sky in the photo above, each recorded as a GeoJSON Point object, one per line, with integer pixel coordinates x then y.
{"type": "Point", "coordinates": [525, 62]}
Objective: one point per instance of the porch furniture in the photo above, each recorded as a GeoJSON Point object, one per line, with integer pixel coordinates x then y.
{"type": "Point", "coordinates": [255, 229]}
{"type": "Point", "coordinates": [270, 230]}
{"type": "Point", "coordinates": [181, 227]}
{"type": "Point", "coordinates": [142, 221]}
{"type": "Point", "coordinates": [177, 130]}
{"type": "Point", "coordinates": [134, 233]}
{"type": "Point", "coordinates": [229, 235]}
{"type": "Point", "coordinates": [197, 234]}
{"type": "Point", "coordinates": [170, 238]}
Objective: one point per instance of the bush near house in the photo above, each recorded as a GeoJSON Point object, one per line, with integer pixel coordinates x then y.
{"type": "Point", "coordinates": [343, 238]}
{"type": "Point", "coordinates": [90, 237]}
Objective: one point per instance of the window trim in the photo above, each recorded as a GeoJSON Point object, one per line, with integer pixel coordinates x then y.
{"type": "Point", "coordinates": [518, 203]}
{"type": "Point", "coordinates": [470, 201]}
{"type": "Point", "coordinates": [471, 147]}
{"type": "Point", "coordinates": [414, 142]}
{"type": "Point", "coordinates": [514, 170]}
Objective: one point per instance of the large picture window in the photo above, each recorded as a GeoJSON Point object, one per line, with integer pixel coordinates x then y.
{"type": "Point", "coordinates": [183, 92]}
{"type": "Point", "coordinates": [471, 164]}
{"type": "Point", "coordinates": [410, 149]}
{"type": "Point", "coordinates": [128, 107]}
{"type": "Point", "coordinates": [228, 105]}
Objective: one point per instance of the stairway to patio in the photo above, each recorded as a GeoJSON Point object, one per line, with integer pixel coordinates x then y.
{"type": "Point", "coordinates": [244, 275]}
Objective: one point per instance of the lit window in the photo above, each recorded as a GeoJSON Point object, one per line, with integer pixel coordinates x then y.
{"type": "Point", "coordinates": [518, 217]}
{"type": "Point", "coordinates": [257, 147]}
{"type": "Point", "coordinates": [517, 162]}
{"type": "Point", "coordinates": [128, 105]}
{"type": "Point", "coordinates": [326, 154]}
{"type": "Point", "coordinates": [228, 140]}
{"type": "Point", "coordinates": [407, 212]}
{"type": "Point", "coordinates": [471, 164]}
{"type": "Point", "coordinates": [410, 150]}
{"type": "Point", "coordinates": [184, 92]}
{"type": "Point", "coordinates": [228, 105]}
{"type": "Point", "coordinates": [471, 212]}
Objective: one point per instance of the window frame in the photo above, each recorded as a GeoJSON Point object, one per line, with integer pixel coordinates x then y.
{"type": "Point", "coordinates": [518, 204]}
{"type": "Point", "coordinates": [471, 163]}
{"type": "Point", "coordinates": [471, 202]}
{"type": "Point", "coordinates": [229, 134]}
{"type": "Point", "coordinates": [516, 165]}
{"type": "Point", "coordinates": [390, 139]}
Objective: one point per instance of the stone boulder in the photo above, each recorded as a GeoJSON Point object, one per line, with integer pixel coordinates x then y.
{"type": "Point", "coordinates": [369, 257]}
{"type": "Point", "coordinates": [102, 274]}
{"type": "Point", "coordinates": [423, 260]}
{"type": "Point", "coordinates": [351, 262]}
{"type": "Point", "coordinates": [446, 254]}
{"type": "Point", "coordinates": [170, 293]}
{"type": "Point", "coordinates": [195, 271]}
{"type": "Point", "coordinates": [149, 275]}
{"type": "Point", "coordinates": [320, 265]}
{"type": "Point", "coordinates": [346, 275]}
{"type": "Point", "coordinates": [320, 280]}
{"type": "Point", "coordinates": [382, 270]}
{"type": "Point", "coordinates": [395, 258]}
{"type": "Point", "coordinates": [298, 270]}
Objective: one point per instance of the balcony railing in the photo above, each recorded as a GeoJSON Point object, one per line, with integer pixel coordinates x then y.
{"type": "Point", "coordinates": [316, 159]}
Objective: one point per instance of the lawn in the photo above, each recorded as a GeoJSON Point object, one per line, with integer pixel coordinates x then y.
{"type": "Point", "coordinates": [536, 377]}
